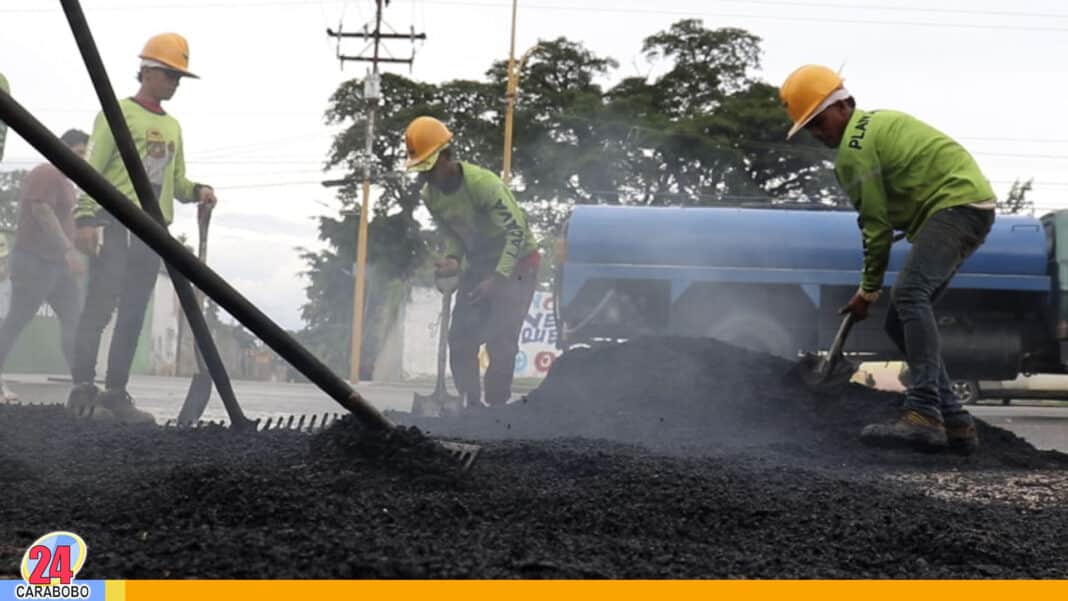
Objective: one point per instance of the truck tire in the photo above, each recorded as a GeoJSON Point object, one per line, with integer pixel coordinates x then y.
{"type": "Point", "coordinates": [755, 332]}
{"type": "Point", "coordinates": [967, 391]}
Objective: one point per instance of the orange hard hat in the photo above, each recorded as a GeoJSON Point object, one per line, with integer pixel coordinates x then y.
{"type": "Point", "coordinates": [805, 91]}
{"type": "Point", "coordinates": [170, 50]}
{"type": "Point", "coordinates": [425, 139]}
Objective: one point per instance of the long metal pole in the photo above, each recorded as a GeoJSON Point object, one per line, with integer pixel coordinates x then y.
{"type": "Point", "coordinates": [143, 188]}
{"type": "Point", "coordinates": [172, 251]}
{"type": "Point", "coordinates": [509, 95]}
{"type": "Point", "coordinates": [371, 96]}
{"type": "Point", "coordinates": [361, 261]}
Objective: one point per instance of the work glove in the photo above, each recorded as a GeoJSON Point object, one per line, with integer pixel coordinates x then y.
{"type": "Point", "coordinates": [860, 304]}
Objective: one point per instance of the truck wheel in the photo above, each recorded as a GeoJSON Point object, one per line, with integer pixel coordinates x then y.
{"type": "Point", "coordinates": [756, 333]}
{"type": "Point", "coordinates": [967, 391]}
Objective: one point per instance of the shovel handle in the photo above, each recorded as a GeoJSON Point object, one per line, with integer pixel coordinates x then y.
{"type": "Point", "coordinates": [839, 340]}
{"type": "Point", "coordinates": [443, 342]}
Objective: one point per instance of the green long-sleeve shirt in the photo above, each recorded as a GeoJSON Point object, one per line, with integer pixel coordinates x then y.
{"type": "Point", "coordinates": [3, 126]}
{"type": "Point", "coordinates": [158, 138]}
{"type": "Point", "coordinates": [898, 171]}
{"type": "Point", "coordinates": [482, 220]}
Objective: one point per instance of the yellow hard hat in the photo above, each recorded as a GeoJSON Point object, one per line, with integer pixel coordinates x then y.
{"type": "Point", "coordinates": [804, 91]}
{"type": "Point", "coordinates": [170, 50]}
{"type": "Point", "coordinates": [425, 138]}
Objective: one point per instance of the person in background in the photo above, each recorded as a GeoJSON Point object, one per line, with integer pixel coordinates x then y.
{"type": "Point", "coordinates": [44, 264]}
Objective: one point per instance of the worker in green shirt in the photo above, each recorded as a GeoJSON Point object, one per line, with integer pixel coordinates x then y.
{"type": "Point", "coordinates": [122, 268]}
{"type": "Point", "coordinates": [3, 126]}
{"type": "Point", "coordinates": [488, 236]}
{"type": "Point", "coordinates": [902, 174]}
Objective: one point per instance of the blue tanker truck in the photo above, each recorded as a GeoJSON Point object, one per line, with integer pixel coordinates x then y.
{"type": "Point", "coordinates": [773, 279]}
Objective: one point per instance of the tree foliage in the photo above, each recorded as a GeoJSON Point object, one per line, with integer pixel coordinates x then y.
{"type": "Point", "coordinates": [703, 131]}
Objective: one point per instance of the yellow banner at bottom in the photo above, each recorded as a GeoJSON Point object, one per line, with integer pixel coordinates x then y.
{"type": "Point", "coordinates": [449, 590]}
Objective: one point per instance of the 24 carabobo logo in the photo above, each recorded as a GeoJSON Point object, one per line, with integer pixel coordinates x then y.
{"type": "Point", "coordinates": [50, 565]}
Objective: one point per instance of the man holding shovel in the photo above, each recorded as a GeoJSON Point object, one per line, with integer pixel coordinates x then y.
{"type": "Point", "coordinates": [122, 269]}
{"type": "Point", "coordinates": [902, 174]}
{"type": "Point", "coordinates": [487, 231]}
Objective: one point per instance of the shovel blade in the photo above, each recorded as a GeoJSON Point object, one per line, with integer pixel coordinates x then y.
{"type": "Point", "coordinates": [814, 373]}
{"type": "Point", "coordinates": [423, 405]}
{"type": "Point", "coordinates": [196, 399]}
{"type": "Point", "coordinates": [436, 405]}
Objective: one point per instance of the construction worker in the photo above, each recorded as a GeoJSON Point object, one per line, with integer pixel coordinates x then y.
{"type": "Point", "coordinates": [902, 174]}
{"type": "Point", "coordinates": [488, 237]}
{"type": "Point", "coordinates": [3, 126]}
{"type": "Point", "coordinates": [44, 263]}
{"type": "Point", "coordinates": [122, 269]}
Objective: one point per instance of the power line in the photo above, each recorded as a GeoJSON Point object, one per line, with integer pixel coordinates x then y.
{"type": "Point", "coordinates": [825, 153]}
{"type": "Point", "coordinates": [1018, 140]}
{"type": "Point", "coordinates": [898, 8]}
{"type": "Point", "coordinates": [788, 18]}
{"type": "Point", "coordinates": [680, 13]}
{"type": "Point", "coordinates": [270, 185]}
{"type": "Point", "coordinates": [775, 3]}
{"type": "Point", "coordinates": [185, 6]}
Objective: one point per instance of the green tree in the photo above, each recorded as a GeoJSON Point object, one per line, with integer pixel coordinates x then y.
{"type": "Point", "coordinates": [705, 131]}
{"type": "Point", "coordinates": [397, 247]}
{"type": "Point", "coordinates": [559, 154]}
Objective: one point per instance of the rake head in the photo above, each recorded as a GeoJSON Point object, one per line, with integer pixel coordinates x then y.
{"type": "Point", "coordinates": [464, 454]}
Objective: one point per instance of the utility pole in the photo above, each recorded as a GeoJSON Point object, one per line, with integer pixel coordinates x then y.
{"type": "Point", "coordinates": [371, 94]}
{"type": "Point", "coordinates": [509, 98]}
{"type": "Point", "coordinates": [511, 90]}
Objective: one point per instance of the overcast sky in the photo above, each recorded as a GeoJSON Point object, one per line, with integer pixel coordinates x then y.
{"type": "Point", "coordinates": [989, 73]}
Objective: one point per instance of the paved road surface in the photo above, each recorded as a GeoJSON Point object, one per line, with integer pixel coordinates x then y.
{"type": "Point", "coordinates": [1044, 424]}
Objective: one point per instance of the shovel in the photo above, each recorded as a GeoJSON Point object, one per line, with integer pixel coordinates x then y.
{"type": "Point", "coordinates": [199, 393]}
{"type": "Point", "coordinates": [831, 373]}
{"type": "Point", "coordinates": [440, 403]}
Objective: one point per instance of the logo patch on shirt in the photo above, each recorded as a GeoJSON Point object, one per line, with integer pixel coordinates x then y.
{"type": "Point", "coordinates": [862, 128]}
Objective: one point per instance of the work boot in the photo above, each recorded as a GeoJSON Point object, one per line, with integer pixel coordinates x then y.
{"type": "Point", "coordinates": [911, 429]}
{"type": "Point", "coordinates": [82, 402]}
{"type": "Point", "coordinates": [961, 433]}
{"type": "Point", "coordinates": [120, 403]}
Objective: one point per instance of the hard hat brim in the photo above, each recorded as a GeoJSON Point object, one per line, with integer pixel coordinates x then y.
{"type": "Point", "coordinates": [800, 125]}
{"type": "Point", "coordinates": [418, 166]}
{"type": "Point", "coordinates": [839, 94]}
{"type": "Point", "coordinates": [166, 67]}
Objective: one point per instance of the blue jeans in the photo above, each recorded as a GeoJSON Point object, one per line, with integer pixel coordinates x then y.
{"type": "Point", "coordinates": [948, 238]}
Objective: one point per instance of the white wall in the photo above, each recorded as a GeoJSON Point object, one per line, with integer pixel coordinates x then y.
{"type": "Point", "coordinates": [419, 331]}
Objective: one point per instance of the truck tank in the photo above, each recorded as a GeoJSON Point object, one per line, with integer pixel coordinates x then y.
{"type": "Point", "coordinates": [803, 246]}
{"type": "Point", "coordinates": [801, 261]}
